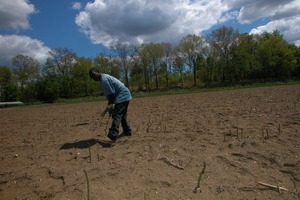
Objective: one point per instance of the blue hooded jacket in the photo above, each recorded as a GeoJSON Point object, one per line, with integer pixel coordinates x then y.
{"type": "Point", "coordinates": [112, 85]}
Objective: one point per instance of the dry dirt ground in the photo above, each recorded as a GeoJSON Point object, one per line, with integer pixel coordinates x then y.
{"type": "Point", "coordinates": [215, 145]}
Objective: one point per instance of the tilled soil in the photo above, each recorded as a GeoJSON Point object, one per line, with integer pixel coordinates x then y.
{"type": "Point", "coordinates": [214, 145]}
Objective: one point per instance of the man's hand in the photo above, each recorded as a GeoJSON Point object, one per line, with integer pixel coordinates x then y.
{"type": "Point", "coordinates": [108, 109]}
{"type": "Point", "coordinates": [103, 113]}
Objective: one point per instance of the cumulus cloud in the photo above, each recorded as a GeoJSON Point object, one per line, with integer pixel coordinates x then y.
{"type": "Point", "coordinates": [227, 16]}
{"type": "Point", "coordinates": [15, 14]}
{"type": "Point", "coordinates": [251, 10]}
{"type": "Point", "coordinates": [114, 21]}
{"type": "Point", "coordinates": [110, 22]}
{"type": "Point", "coordinates": [289, 28]}
{"type": "Point", "coordinates": [283, 16]}
{"type": "Point", "coordinates": [140, 21]}
{"type": "Point", "coordinates": [12, 45]}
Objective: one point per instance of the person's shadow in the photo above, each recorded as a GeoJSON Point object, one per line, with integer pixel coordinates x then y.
{"type": "Point", "coordinates": [83, 144]}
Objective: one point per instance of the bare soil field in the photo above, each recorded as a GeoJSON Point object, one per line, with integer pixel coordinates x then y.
{"type": "Point", "coordinates": [239, 144]}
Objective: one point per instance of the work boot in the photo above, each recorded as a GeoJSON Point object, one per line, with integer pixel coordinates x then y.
{"type": "Point", "coordinates": [112, 137]}
{"type": "Point", "coordinates": [124, 134]}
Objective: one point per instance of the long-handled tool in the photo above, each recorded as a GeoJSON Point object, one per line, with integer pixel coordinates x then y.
{"type": "Point", "coordinates": [107, 124]}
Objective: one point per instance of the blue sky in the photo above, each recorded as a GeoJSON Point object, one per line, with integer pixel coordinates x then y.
{"type": "Point", "coordinates": [33, 27]}
{"type": "Point", "coordinates": [54, 24]}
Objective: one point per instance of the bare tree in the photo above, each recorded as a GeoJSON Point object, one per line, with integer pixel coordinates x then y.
{"type": "Point", "coordinates": [221, 42]}
{"type": "Point", "coordinates": [60, 65]}
{"type": "Point", "coordinates": [191, 48]}
{"type": "Point", "coordinates": [167, 59]}
{"type": "Point", "coordinates": [26, 69]}
{"type": "Point", "coordinates": [125, 55]}
{"type": "Point", "coordinates": [106, 64]}
{"type": "Point", "coordinates": [154, 53]}
{"type": "Point", "coordinates": [144, 61]}
{"type": "Point", "coordinates": [178, 65]}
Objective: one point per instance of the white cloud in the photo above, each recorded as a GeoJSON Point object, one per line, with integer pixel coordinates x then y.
{"type": "Point", "coordinates": [288, 27]}
{"type": "Point", "coordinates": [227, 16]}
{"type": "Point", "coordinates": [287, 10]}
{"type": "Point", "coordinates": [132, 21]}
{"type": "Point", "coordinates": [283, 16]}
{"type": "Point", "coordinates": [76, 5]}
{"type": "Point", "coordinates": [139, 21]}
{"type": "Point", "coordinates": [252, 10]}
{"type": "Point", "coordinates": [12, 45]}
{"type": "Point", "coordinates": [14, 14]}
{"type": "Point", "coordinates": [110, 22]}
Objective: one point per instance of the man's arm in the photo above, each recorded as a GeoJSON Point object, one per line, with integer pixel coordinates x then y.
{"type": "Point", "coordinates": [111, 105]}
{"type": "Point", "coordinates": [111, 98]}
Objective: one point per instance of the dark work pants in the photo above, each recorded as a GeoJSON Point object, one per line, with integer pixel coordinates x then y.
{"type": "Point", "coordinates": [119, 116]}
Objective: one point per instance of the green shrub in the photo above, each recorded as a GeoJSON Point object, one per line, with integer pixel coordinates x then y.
{"type": "Point", "coordinates": [10, 92]}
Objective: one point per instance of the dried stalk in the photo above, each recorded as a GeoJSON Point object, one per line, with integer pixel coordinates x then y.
{"type": "Point", "coordinates": [149, 124]}
{"type": "Point", "coordinates": [277, 184]}
{"type": "Point", "coordinates": [88, 185]}
{"type": "Point", "coordinates": [197, 188]}
{"type": "Point", "coordinates": [106, 127]}
{"type": "Point", "coordinates": [169, 162]}
{"type": "Point", "coordinates": [90, 153]}
{"type": "Point", "coordinates": [273, 186]}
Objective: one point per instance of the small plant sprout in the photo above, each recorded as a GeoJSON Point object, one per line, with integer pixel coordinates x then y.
{"type": "Point", "coordinates": [87, 185]}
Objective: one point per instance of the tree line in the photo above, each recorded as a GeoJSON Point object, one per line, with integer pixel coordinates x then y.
{"type": "Point", "coordinates": [222, 57]}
